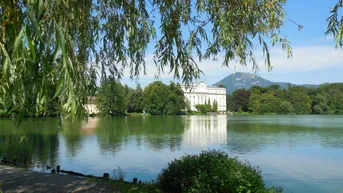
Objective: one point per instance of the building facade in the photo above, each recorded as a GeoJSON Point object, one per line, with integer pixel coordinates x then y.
{"type": "Point", "coordinates": [201, 93]}
{"type": "Point", "coordinates": [90, 107]}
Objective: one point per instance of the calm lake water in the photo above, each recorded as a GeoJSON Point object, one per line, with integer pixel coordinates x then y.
{"type": "Point", "coordinates": [299, 153]}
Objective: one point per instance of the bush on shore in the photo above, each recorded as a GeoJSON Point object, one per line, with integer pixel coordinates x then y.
{"type": "Point", "coordinates": [212, 171]}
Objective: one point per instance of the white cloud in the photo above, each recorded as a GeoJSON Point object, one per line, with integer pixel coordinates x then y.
{"type": "Point", "coordinates": [305, 58]}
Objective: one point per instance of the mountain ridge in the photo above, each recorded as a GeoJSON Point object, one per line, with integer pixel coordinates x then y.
{"type": "Point", "coordinates": [245, 80]}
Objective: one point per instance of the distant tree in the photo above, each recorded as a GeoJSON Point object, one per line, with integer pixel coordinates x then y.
{"type": "Point", "coordinates": [202, 108]}
{"type": "Point", "coordinates": [136, 101]}
{"type": "Point", "coordinates": [208, 105]}
{"type": "Point", "coordinates": [273, 87]}
{"type": "Point", "coordinates": [258, 89]}
{"type": "Point", "coordinates": [319, 100]}
{"type": "Point", "coordinates": [160, 99]}
{"type": "Point", "coordinates": [214, 106]}
{"type": "Point", "coordinates": [230, 103]}
{"type": "Point", "coordinates": [241, 99]}
{"type": "Point", "coordinates": [286, 108]}
{"type": "Point", "coordinates": [254, 101]}
{"type": "Point", "coordinates": [317, 109]}
{"type": "Point", "coordinates": [155, 98]}
{"type": "Point", "coordinates": [298, 96]}
{"type": "Point", "coordinates": [221, 86]}
{"type": "Point", "coordinates": [111, 98]}
{"type": "Point", "coordinates": [176, 99]}
{"type": "Point", "coordinates": [268, 104]}
{"type": "Point", "coordinates": [334, 96]}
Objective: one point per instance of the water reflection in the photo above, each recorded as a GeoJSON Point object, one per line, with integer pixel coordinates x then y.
{"type": "Point", "coordinates": [89, 127]}
{"type": "Point", "coordinates": [204, 131]}
{"type": "Point", "coordinates": [35, 140]}
{"type": "Point", "coordinates": [248, 137]}
{"type": "Point", "coordinates": [299, 153]}
{"type": "Point", "coordinates": [155, 132]}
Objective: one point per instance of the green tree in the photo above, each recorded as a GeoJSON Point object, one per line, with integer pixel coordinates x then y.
{"type": "Point", "coordinates": [333, 94]}
{"type": "Point", "coordinates": [241, 99]}
{"type": "Point", "coordinates": [176, 101]}
{"type": "Point", "coordinates": [317, 109]}
{"type": "Point", "coordinates": [254, 100]}
{"type": "Point", "coordinates": [286, 108]}
{"type": "Point", "coordinates": [215, 106]}
{"type": "Point", "coordinates": [111, 97]}
{"type": "Point", "coordinates": [221, 86]}
{"type": "Point", "coordinates": [268, 104]}
{"type": "Point", "coordinates": [202, 108]}
{"type": "Point", "coordinates": [319, 101]}
{"type": "Point", "coordinates": [208, 105]}
{"type": "Point", "coordinates": [298, 96]}
{"type": "Point", "coordinates": [57, 44]}
{"type": "Point", "coordinates": [230, 103]}
{"type": "Point", "coordinates": [160, 99]}
{"type": "Point", "coordinates": [136, 101]}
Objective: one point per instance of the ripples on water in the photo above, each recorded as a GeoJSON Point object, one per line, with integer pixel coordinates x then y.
{"type": "Point", "coordinates": [299, 153]}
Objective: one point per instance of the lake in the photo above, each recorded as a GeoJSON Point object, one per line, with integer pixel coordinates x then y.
{"type": "Point", "coordinates": [299, 153]}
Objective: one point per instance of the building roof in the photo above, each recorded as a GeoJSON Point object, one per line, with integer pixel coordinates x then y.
{"type": "Point", "coordinates": [201, 82]}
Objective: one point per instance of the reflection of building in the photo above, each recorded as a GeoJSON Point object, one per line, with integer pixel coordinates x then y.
{"type": "Point", "coordinates": [202, 131]}
{"type": "Point", "coordinates": [90, 107]}
{"type": "Point", "coordinates": [89, 127]}
{"type": "Point", "coordinates": [200, 94]}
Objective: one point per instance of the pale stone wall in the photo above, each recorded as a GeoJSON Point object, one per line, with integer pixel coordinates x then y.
{"type": "Point", "coordinates": [92, 109]}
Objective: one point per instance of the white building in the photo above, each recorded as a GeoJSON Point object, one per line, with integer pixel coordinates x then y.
{"type": "Point", "coordinates": [200, 94]}
{"type": "Point", "coordinates": [90, 107]}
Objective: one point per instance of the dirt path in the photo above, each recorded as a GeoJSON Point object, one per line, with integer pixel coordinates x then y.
{"type": "Point", "coordinates": [21, 180]}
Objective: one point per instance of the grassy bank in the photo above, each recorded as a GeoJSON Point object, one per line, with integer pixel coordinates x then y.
{"type": "Point", "coordinates": [129, 187]}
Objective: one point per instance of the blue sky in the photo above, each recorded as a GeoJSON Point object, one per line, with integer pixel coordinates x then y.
{"type": "Point", "coordinates": [315, 59]}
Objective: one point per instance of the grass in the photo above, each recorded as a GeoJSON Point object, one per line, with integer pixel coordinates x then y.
{"type": "Point", "coordinates": [242, 113]}
{"type": "Point", "coordinates": [194, 113]}
{"type": "Point", "coordinates": [129, 187]}
{"type": "Point", "coordinates": [137, 114]}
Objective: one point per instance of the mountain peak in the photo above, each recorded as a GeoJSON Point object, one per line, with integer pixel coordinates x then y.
{"type": "Point", "coordinates": [245, 80]}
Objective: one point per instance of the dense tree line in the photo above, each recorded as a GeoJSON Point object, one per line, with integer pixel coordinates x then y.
{"type": "Point", "coordinates": [326, 99]}
{"type": "Point", "coordinates": [157, 98]}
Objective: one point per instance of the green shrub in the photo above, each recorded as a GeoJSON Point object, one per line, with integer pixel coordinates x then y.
{"type": "Point", "coordinates": [202, 108]}
{"type": "Point", "coordinates": [211, 171]}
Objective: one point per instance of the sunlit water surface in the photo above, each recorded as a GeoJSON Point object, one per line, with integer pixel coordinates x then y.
{"type": "Point", "coordinates": [298, 153]}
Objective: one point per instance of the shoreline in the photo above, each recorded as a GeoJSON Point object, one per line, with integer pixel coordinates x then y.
{"type": "Point", "coordinates": [23, 180]}
{"type": "Point", "coordinates": [14, 179]}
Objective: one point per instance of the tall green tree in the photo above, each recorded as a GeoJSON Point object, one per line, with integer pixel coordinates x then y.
{"type": "Point", "coordinates": [111, 98]}
{"type": "Point", "coordinates": [241, 99]}
{"type": "Point", "coordinates": [176, 102]}
{"type": "Point", "coordinates": [230, 103]}
{"type": "Point", "coordinates": [160, 99]}
{"type": "Point", "coordinates": [286, 108]}
{"type": "Point", "coordinates": [136, 101]}
{"type": "Point", "coordinates": [298, 96]}
{"type": "Point", "coordinates": [215, 106]}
